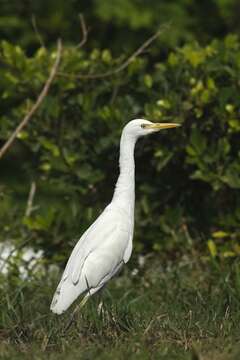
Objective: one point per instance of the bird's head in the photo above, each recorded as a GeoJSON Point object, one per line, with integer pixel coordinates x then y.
{"type": "Point", "coordinates": [142, 127]}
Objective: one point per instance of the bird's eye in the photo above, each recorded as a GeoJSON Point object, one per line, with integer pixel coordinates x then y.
{"type": "Point", "coordinates": [143, 126]}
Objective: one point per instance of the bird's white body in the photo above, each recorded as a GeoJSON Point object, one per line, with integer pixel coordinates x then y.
{"type": "Point", "coordinates": [107, 244]}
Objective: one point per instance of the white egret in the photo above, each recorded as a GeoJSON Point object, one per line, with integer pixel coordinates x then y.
{"type": "Point", "coordinates": [107, 244]}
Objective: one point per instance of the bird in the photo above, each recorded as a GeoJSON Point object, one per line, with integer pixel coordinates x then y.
{"type": "Point", "coordinates": [107, 244]}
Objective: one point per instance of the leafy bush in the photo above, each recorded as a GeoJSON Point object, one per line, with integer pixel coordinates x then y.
{"type": "Point", "coordinates": [70, 147]}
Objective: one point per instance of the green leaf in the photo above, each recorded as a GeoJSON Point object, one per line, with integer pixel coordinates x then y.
{"type": "Point", "coordinates": [148, 81]}
{"type": "Point", "coordinates": [198, 141]}
{"type": "Point", "coordinates": [212, 248]}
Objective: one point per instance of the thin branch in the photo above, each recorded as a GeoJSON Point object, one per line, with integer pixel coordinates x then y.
{"type": "Point", "coordinates": [114, 94]}
{"type": "Point", "coordinates": [125, 64]}
{"type": "Point", "coordinates": [31, 195]}
{"type": "Point", "coordinates": [35, 28]}
{"type": "Point", "coordinates": [84, 31]}
{"type": "Point", "coordinates": [38, 102]}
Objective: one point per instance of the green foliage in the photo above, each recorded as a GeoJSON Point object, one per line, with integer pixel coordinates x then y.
{"type": "Point", "coordinates": [70, 147]}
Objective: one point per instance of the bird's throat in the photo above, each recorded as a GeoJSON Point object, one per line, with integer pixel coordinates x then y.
{"type": "Point", "coordinates": [124, 194]}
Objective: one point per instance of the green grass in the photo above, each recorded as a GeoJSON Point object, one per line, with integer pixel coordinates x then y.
{"type": "Point", "coordinates": [187, 308]}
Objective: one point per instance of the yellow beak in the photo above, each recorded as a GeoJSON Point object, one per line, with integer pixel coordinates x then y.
{"type": "Point", "coordinates": [160, 126]}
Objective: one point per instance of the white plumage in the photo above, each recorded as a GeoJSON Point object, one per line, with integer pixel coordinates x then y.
{"type": "Point", "coordinates": [107, 244]}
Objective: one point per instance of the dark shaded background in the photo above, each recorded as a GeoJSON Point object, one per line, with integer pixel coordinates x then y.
{"type": "Point", "coordinates": [118, 25]}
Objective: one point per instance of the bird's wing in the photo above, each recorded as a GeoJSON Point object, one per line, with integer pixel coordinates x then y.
{"type": "Point", "coordinates": [82, 247]}
{"type": "Point", "coordinates": [104, 244]}
{"type": "Point", "coordinates": [101, 264]}
{"type": "Point", "coordinates": [103, 232]}
{"type": "Point", "coordinates": [94, 240]}
{"type": "Point", "coordinates": [94, 260]}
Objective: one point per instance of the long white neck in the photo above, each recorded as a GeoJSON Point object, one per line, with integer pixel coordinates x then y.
{"type": "Point", "coordinates": [124, 194]}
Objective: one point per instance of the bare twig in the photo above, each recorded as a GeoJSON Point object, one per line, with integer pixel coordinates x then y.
{"type": "Point", "coordinates": [31, 195]}
{"type": "Point", "coordinates": [124, 65]}
{"type": "Point", "coordinates": [114, 94]}
{"type": "Point", "coordinates": [38, 102]}
{"type": "Point", "coordinates": [35, 28]}
{"type": "Point", "coordinates": [84, 31]}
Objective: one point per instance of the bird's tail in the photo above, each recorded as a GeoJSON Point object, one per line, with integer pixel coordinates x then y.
{"type": "Point", "coordinates": [64, 296]}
